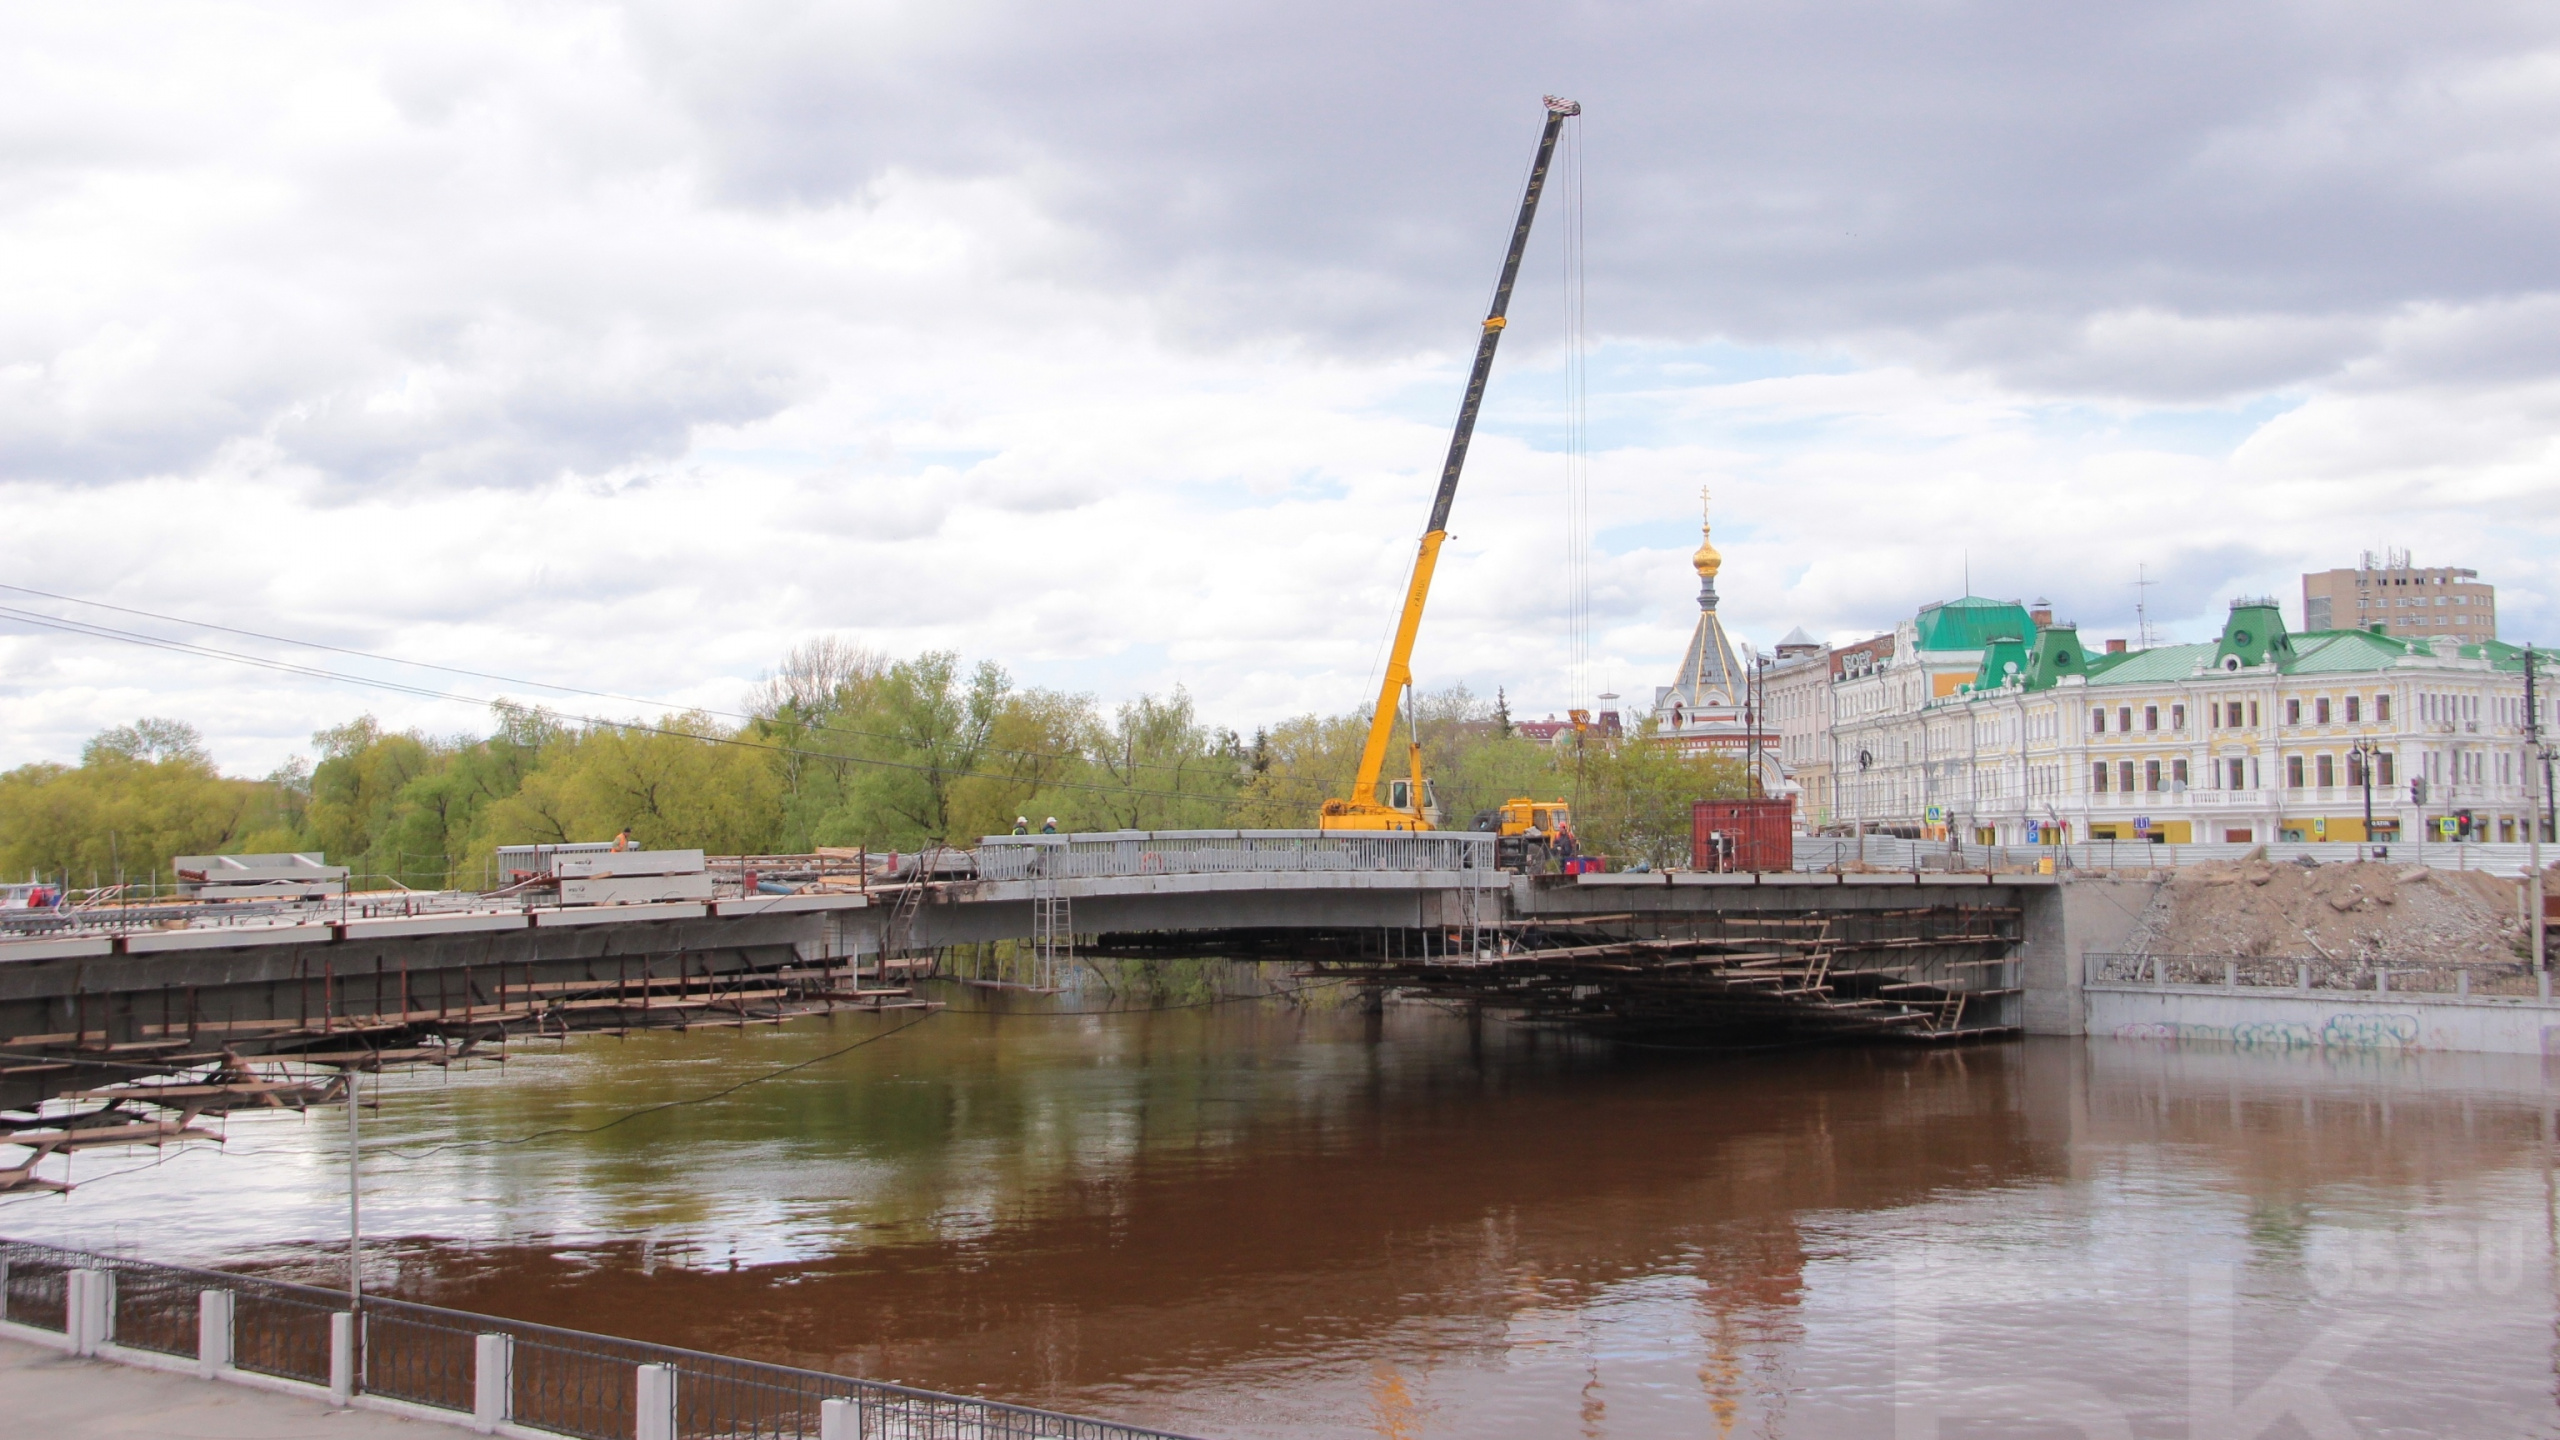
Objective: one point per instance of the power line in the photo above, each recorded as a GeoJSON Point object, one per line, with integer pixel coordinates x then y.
{"type": "Point", "coordinates": [501, 679]}
{"type": "Point", "coordinates": [181, 647]}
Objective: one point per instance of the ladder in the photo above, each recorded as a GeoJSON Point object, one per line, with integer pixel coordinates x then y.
{"type": "Point", "coordinates": [1053, 933]}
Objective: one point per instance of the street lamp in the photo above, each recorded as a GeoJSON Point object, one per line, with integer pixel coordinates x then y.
{"type": "Point", "coordinates": [2364, 752]}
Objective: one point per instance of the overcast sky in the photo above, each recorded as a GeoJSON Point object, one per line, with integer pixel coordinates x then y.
{"type": "Point", "coordinates": [622, 347]}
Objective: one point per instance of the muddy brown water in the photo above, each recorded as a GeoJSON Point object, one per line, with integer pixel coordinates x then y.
{"type": "Point", "coordinates": [1259, 1221]}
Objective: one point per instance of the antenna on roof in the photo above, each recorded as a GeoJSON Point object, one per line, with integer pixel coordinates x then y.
{"type": "Point", "coordinates": [2142, 583]}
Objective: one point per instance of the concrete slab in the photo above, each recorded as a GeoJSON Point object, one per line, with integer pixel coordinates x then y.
{"type": "Point", "coordinates": [45, 1392]}
{"type": "Point", "coordinates": [620, 914]}
{"type": "Point", "coordinates": [388, 926]}
{"type": "Point", "coordinates": [227, 937]}
{"type": "Point", "coordinates": [789, 904]}
{"type": "Point", "coordinates": [56, 949]}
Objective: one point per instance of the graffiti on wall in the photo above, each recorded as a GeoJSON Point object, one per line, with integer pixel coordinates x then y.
{"type": "Point", "coordinates": [2345, 1030]}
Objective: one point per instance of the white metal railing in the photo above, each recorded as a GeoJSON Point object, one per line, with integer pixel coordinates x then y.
{"type": "Point", "coordinates": [1822, 852]}
{"type": "Point", "coordinates": [1223, 852]}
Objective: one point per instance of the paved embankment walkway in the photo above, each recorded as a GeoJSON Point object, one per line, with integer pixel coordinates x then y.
{"type": "Point", "coordinates": [50, 1394]}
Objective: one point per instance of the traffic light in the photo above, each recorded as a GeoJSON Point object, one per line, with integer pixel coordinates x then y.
{"type": "Point", "coordinates": [2462, 822]}
{"type": "Point", "coordinates": [2418, 791]}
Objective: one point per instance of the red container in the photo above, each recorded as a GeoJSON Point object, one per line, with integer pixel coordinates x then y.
{"type": "Point", "coordinates": [1742, 834]}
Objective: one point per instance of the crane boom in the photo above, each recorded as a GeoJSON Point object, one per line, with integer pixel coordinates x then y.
{"type": "Point", "coordinates": [1362, 810]}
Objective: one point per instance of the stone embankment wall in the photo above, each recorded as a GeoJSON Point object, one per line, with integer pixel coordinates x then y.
{"type": "Point", "coordinates": [2396, 957]}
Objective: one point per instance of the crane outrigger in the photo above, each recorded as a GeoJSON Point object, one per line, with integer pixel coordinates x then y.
{"type": "Point", "coordinates": [1410, 804]}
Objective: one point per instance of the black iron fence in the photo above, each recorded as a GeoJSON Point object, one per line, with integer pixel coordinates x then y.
{"type": "Point", "coordinates": [596, 1387]}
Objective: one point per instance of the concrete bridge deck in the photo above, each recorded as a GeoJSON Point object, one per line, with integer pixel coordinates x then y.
{"type": "Point", "coordinates": [81, 1009]}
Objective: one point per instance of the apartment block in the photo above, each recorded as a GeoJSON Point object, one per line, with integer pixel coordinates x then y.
{"type": "Point", "coordinates": [2387, 595]}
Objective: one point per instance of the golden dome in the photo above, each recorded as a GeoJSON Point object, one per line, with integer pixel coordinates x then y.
{"type": "Point", "coordinates": [1706, 562]}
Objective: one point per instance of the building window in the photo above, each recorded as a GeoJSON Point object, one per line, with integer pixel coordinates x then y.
{"type": "Point", "coordinates": [2150, 717]}
{"type": "Point", "coordinates": [2328, 774]}
{"type": "Point", "coordinates": [2253, 714]}
{"type": "Point", "coordinates": [2355, 767]}
{"type": "Point", "coordinates": [2124, 776]}
{"type": "Point", "coordinates": [2320, 710]}
{"type": "Point", "coordinates": [2098, 776]}
{"type": "Point", "coordinates": [2124, 719]}
{"type": "Point", "coordinates": [2178, 774]}
{"type": "Point", "coordinates": [2355, 703]}
{"type": "Point", "coordinates": [2098, 725]}
{"type": "Point", "coordinates": [2239, 774]}
{"type": "Point", "coordinates": [2293, 712]}
{"type": "Point", "coordinates": [2151, 775]}
{"type": "Point", "coordinates": [2177, 717]}
{"type": "Point", "coordinates": [2382, 709]}
{"type": "Point", "coordinates": [2293, 772]}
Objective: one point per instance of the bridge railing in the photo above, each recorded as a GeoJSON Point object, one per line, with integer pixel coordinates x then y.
{"type": "Point", "coordinates": [1822, 852]}
{"type": "Point", "coordinates": [488, 1372]}
{"type": "Point", "coordinates": [1224, 852]}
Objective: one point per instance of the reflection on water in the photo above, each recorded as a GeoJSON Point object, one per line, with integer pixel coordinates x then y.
{"type": "Point", "coordinates": [1261, 1221]}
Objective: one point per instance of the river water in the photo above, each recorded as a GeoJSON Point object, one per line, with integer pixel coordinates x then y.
{"type": "Point", "coordinates": [1256, 1220]}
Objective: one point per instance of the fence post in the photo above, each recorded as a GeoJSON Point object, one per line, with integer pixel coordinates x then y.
{"type": "Point", "coordinates": [214, 1311]}
{"type": "Point", "coordinates": [653, 1410]}
{"type": "Point", "coordinates": [493, 1375]}
{"type": "Point", "coordinates": [4, 1287]}
{"type": "Point", "coordinates": [2381, 982]}
{"type": "Point", "coordinates": [2230, 975]}
{"type": "Point", "coordinates": [342, 1357]}
{"type": "Point", "coordinates": [86, 1306]}
{"type": "Point", "coordinates": [2462, 983]}
{"type": "Point", "coordinates": [840, 1420]}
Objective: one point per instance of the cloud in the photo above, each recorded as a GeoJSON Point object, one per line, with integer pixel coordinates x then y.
{"type": "Point", "coordinates": [627, 344]}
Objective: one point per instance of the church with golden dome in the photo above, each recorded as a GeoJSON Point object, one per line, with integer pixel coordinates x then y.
{"type": "Point", "coordinates": [1705, 707]}
{"type": "Point", "coordinates": [1708, 693]}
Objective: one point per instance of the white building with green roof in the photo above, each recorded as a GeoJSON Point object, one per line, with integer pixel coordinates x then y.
{"type": "Point", "coordinates": [2261, 734]}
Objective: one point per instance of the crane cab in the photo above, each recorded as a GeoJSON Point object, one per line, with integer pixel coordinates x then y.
{"type": "Point", "coordinates": [1525, 831]}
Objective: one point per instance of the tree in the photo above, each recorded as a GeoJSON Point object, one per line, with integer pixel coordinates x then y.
{"type": "Point", "coordinates": [1636, 794]}
{"type": "Point", "coordinates": [142, 795]}
{"type": "Point", "coordinates": [1158, 768]}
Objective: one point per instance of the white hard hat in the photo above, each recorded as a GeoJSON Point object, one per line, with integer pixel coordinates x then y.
{"type": "Point", "coordinates": [1052, 820]}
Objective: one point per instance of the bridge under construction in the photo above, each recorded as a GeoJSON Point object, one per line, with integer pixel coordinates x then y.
{"type": "Point", "coordinates": [182, 1006]}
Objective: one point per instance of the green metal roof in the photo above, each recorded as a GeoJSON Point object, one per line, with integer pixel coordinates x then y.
{"type": "Point", "coordinates": [2255, 633]}
{"type": "Point", "coordinates": [2331, 652]}
{"type": "Point", "coordinates": [2055, 654]}
{"type": "Point", "coordinates": [2156, 666]}
{"type": "Point", "coordinates": [2003, 660]}
{"type": "Point", "coordinates": [1971, 623]}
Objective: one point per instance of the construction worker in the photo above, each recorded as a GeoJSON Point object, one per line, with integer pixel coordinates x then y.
{"type": "Point", "coordinates": [1049, 826]}
{"type": "Point", "coordinates": [1021, 825]}
{"type": "Point", "coordinates": [622, 841]}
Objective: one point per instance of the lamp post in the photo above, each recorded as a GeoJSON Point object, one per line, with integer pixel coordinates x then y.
{"type": "Point", "coordinates": [2365, 750]}
{"type": "Point", "coordinates": [2533, 753]}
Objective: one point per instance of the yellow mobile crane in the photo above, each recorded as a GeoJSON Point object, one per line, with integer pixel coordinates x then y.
{"type": "Point", "coordinates": [1410, 803]}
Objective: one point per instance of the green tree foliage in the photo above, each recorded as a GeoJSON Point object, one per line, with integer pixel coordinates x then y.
{"type": "Point", "coordinates": [1636, 793]}
{"type": "Point", "coordinates": [141, 795]}
{"type": "Point", "coordinates": [844, 747]}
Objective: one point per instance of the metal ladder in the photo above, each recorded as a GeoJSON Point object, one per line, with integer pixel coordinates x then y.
{"type": "Point", "coordinates": [1053, 933]}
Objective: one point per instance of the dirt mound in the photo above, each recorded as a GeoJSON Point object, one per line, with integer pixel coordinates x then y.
{"type": "Point", "coordinates": [2363, 915]}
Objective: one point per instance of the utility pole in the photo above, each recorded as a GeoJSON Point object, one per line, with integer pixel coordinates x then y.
{"type": "Point", "coordinates": [2533, 824]}
{"type": "Point", "coordinates": [355, 1212]}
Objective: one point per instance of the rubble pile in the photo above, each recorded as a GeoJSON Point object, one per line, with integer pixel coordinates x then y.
{"type": "Point", "coordinates": [2357, 917]}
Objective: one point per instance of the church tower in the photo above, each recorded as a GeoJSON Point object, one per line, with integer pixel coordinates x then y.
{"type": "Point", "coordinates": [1708, 692]}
